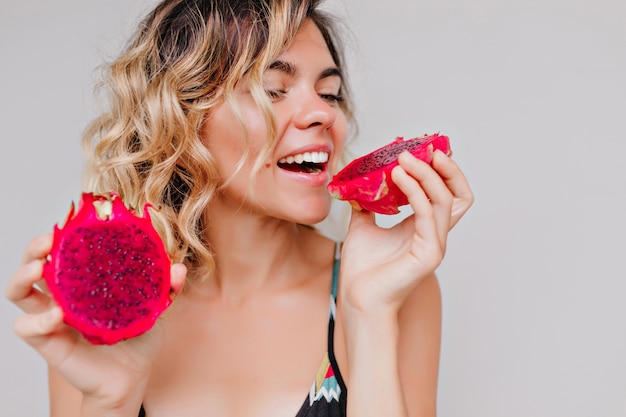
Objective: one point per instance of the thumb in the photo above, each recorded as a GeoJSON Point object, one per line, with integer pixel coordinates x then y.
{"type": "Point", "coordinates": [178, 277]}
{"type": "Point", "coordinates": [361, 218]}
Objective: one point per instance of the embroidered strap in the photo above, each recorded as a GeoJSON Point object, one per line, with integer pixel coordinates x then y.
{"type": "Point", "coordinates": [335, 282]}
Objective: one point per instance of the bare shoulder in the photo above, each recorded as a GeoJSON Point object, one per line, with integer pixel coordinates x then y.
{"type": "Point", "coordinates": [65, 400]}
{"type": "Point", "coordinates": [419, 346]}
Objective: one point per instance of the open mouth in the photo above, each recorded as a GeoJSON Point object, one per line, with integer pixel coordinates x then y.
{"type": "Point", "coordinates": [308, 162]}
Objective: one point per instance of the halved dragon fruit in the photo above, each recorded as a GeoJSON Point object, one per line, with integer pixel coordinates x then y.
{"type": "Point", "coordinates": [108, 270]}
{"type": "Point", "coordinates": [366, 182]}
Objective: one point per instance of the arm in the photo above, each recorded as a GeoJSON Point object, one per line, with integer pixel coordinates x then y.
{"type": "Point", "coordinates": [390, 298]}
{"type": "Point", "coordinates": [419, 348]}
{"type": "Point", "coordinates": [394, 359]}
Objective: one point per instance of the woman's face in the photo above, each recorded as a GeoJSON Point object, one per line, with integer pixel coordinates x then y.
{"type": "Point", "coordinates": [303, 84]}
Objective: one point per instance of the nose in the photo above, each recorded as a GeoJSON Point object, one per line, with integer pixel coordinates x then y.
{"type": "Point", "coordinates": [314, 111]}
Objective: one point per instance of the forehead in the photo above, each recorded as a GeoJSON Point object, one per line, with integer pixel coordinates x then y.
{"type": "Point", "coordinates": [308, 41]}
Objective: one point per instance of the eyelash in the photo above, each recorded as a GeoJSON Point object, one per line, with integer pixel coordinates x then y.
{"type": "Point", "coordinates": [276, 94]}
{"type": "Point", "coordinates": [333, 98]}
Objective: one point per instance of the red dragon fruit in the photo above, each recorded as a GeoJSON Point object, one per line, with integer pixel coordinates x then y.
{"type": "Point", "coordinates": [366, 182]}
{"type": "Point", "coordinates": [108, 270]}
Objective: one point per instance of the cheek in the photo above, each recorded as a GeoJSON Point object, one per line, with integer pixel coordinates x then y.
{"type": "Point", "coordinates": [225, 137]}
{"type": "Point", "coordinates": [254, 125]}
{"type": "Point", "coordinates": [339, 133]}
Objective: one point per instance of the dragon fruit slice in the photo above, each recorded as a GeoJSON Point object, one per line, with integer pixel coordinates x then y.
{"type": "Point", "coordinates": [366, 182]}
{"type": "Point", "coordinates": [108, 270]}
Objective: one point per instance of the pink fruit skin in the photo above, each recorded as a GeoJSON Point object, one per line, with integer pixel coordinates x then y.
{"type": "Point", "coordinates": [110, 276]}
{"type": "Point", "coordinates": [366, 182]}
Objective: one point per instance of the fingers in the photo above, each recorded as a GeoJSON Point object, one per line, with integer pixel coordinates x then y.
{"type": "Point", "coordinates": [429, 180]}
{"type": "Point", "coordinates": [449, 188]}
{"type": "Point", "coordinates": [178, 277]}
{"type": "Point", "coordinates": [429, 195]}
{"type": "Point", "coordinates": [33, 327]}
{"type": "Point", "coordinates": [42, 327]}
{"type": "Point", "coordinates": [38, 248]}
{"type": "Point", "coordinates": [452, 175]}
{"type": "Point", "coordinates": [24, 288]}
{"type": "Point", "coordinates": [456, 182]}
{"type": "Point", "coordinates": [47, 334]}
{"type": "Point", "coordinates": [425, 222]}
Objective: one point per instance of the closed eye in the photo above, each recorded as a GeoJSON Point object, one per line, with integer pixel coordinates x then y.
{"type": "Point", "coordinates": [275, 94]}
{"type": "Point", "coordinates": [332, 98]}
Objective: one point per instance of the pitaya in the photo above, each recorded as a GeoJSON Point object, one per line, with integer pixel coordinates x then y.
{"type": "Point", "coordinates": [366, 182]}
{"type": "Point", "coordinates": [108, 270]}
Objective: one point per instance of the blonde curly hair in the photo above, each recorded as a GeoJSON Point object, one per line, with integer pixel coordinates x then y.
{"type": "Point", "coordinates": [185, 58]}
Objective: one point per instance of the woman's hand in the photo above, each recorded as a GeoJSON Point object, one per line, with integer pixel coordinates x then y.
{"type": "Point", "coordinates": [108, 376]}
{"type": "Point", "coordinates": [380, 267]}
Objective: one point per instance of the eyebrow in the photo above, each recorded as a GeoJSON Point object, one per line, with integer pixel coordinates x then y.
{"type": "Point", "coordinates": [331, 72]}
{"type": "Point", "coordinates": [285, 67]}
{"type": "Point", "coordinates": [290, 69]}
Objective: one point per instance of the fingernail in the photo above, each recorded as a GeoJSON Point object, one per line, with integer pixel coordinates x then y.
{"type": "Point", "coordinates": [441, 155]}
{"type": "Point", "coordinates": [404, 154]}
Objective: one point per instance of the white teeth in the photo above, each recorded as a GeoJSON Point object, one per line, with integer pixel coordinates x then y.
{"type": "Point", "coordinates": [314, 157]}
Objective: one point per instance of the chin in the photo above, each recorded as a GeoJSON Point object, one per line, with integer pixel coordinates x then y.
{"type": "Point", "coordinates": [312, 212]}
{"type": "Point", "coordinates": [312, 221]}
{"type": "Point", "coordinates": [311, 218]}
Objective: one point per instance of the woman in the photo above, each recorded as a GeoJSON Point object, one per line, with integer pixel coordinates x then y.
{"type": "Point", "coordinates": [207, 104]}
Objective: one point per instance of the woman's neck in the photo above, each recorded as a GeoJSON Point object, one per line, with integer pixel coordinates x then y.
{"type": "Point", "coordinates": [254, 253]}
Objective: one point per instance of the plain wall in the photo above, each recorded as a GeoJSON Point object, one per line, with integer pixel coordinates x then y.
{"type": "Point", "coordinates": [533, 96]}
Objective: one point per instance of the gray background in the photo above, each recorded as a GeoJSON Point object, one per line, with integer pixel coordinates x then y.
{"type": "Point", "coordinates": [533, 96]}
